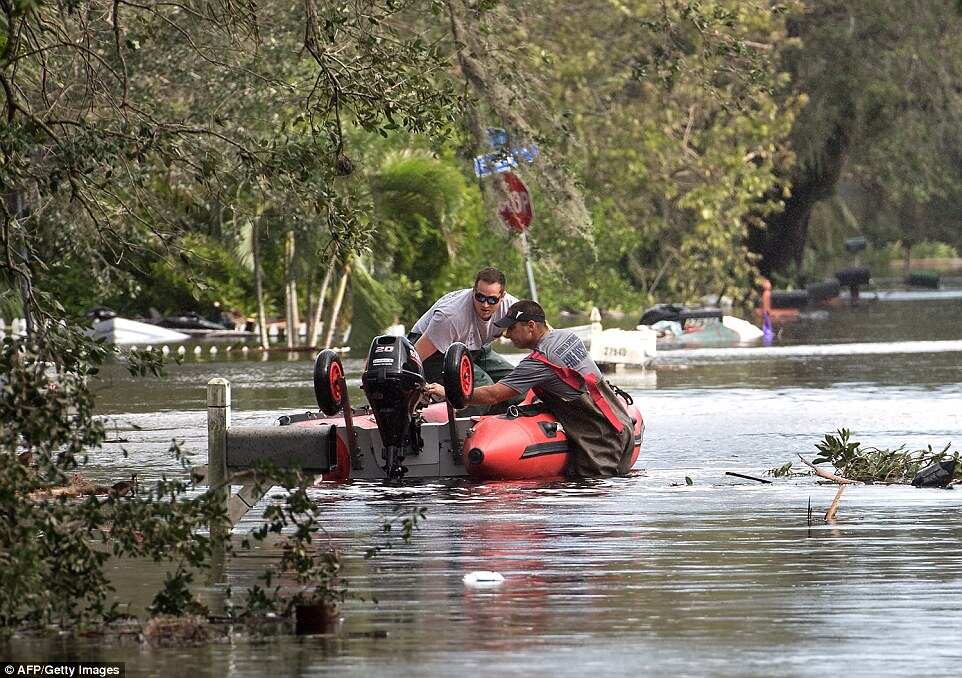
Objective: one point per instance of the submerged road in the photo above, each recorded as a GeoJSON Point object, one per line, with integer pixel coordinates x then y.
{"type": "Point", "coordinates": [640, 575]}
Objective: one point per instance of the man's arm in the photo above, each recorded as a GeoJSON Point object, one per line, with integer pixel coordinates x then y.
{"type": "Point", "coordinates": [424, 347]}
{"type": "Point", "coordinates": [483, 395]}
{"type": "Point", "coordinates": [489, 395]}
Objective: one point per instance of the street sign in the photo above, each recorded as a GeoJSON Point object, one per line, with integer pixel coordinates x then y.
{"type": "Point", "coordinates": [498, 138]}
{"type": "Point", "coordinates": [496, 163]}
{"type": "Point", "coordinates": [515, 211]}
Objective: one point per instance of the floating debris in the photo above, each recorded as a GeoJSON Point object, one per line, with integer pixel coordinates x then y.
{"type": "Point", "coordinates": [855, 463]}
{"type": "Point", "coordinates": [483, 579]}
{"type": "Point", "coordinates": [742, 475]}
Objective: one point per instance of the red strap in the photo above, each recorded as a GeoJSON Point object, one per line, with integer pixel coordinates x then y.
{"type": "Point", "coordinates": [575, 379]}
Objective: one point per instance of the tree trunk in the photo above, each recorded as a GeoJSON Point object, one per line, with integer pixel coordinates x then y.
{"type": "Point", "coordinates": [315, 319]}
{"type": "Point", "coordinates": [338, 300]}
{"type": "Point", "coordinates": [259, 285]}
{"type": "Point", "coordinates": [781, 243]}
{"type": "Point", "coordinates": [16, 207]}
{"type": "Point", "coordinates": [290, 293]}
{"type": "Point", "coordinates": [309, 298]}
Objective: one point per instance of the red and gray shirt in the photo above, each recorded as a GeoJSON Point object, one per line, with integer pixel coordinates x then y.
{"type": "Point", "coordinates": [560, 347]}
{"type": "Point", "coordinates": [561, 370]}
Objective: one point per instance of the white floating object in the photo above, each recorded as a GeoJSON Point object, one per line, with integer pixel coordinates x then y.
{"type": "Point", "coordinates": [165, 349]}
{"type": "Point", "coordinates": [123, 331]}
{"type": "Point", "coordinates": [244, 350]}
{"type": "Point", "coordinates": [624, 347]}
{"type": "Point", "coordinates": [482, 579]}
{"type": "Point", "coordinates": [198, 350]}
{"type": "Point", "coordinates": [181, 350]}
{"type": "Point", "coordinates": [213, 350]}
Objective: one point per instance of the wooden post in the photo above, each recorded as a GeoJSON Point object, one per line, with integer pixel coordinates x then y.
{"type": "Point", "coordinates": [218, 421]}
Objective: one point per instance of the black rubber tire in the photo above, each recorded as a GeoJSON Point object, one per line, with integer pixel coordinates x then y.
{"type": "Point", "coordinates": [458, 375]}
{"type": "Point", "coordinates": [328, 373]}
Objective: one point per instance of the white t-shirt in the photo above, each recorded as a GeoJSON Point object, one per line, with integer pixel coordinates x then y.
{"type": "Point", "coordinates": [452, 318]}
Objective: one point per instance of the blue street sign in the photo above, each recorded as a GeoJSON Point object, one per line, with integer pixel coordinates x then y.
{"type": "Point", "coordinates": [497, 137]}
{"type": "Point", "coordinates": [495, 163]}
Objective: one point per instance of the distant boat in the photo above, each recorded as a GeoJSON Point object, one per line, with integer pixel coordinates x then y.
{"type": "Point", "coordinates": [615, 349]}
{"type": "Point", "coordinates": [195, 325]}
{"type": "Point", "coordinates": [681, 327]}
{"type": "Point", "coordinates": [122, 331]}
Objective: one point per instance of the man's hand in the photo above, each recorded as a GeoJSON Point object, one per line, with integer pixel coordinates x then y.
{"type": "Point", "coordinates": [435, 391]}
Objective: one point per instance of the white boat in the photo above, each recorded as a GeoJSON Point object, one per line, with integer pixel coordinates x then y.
{"type": "Point", "coordinates": [122, 331]}
{"type": "Point", "coordinates": [614, 349]}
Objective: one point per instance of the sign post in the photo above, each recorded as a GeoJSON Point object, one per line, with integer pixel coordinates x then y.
{"type": "Point", "coordinates": [527, 266]}
{"type": "Point", "coordinates": [516, 212]}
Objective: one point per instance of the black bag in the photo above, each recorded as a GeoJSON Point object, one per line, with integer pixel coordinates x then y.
{"type": "Point", "coordinates": [939, 474]}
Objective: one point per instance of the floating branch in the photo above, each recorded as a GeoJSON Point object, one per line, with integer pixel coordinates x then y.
{"type": "Point", "coordinates": [742, 475]}
{"type": "Point", "coordinates": [825, 474]}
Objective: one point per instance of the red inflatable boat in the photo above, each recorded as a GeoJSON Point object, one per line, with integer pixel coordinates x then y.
{"type": "Point", "coordinates": [520, 446]}
{"type": "Point", "coordinates": [392, 438]}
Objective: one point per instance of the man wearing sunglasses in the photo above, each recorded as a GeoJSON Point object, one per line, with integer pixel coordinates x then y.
{"type": "Point", "coordinates": [562, 374]}
{"type": "Point", "coordinates": [468, 316]}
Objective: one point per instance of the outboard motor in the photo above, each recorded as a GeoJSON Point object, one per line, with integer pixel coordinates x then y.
{"type": "Point", "coordinates": [393, 381]}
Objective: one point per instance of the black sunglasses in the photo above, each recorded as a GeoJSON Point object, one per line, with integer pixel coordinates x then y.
{"type": "Point", "coordinates": [485, 299]}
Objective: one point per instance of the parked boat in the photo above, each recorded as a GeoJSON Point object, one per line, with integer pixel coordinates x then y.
{"type": "Point", "coordinates": [615, 349]}
{"type": "Point", "coordinates": [123, 331]}
{"type": "Point", "coordinates": [681, 327]}
{"type": "Point", "coordinates": [193, 324]}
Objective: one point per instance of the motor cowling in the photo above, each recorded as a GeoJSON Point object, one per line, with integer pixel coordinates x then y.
{"type": "Point", "coordinates": [393, 381]}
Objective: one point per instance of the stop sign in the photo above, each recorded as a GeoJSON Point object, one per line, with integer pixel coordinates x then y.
{"type": "Point", "coordinates": [516, 210]}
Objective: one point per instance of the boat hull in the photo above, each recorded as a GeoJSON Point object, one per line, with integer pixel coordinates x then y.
{"type": "Point", "coordinates": [122, 331]}
{"type": "Point", "coordinates": [525, 447]}
{"type": "Point", "coordinates": [730, 331]}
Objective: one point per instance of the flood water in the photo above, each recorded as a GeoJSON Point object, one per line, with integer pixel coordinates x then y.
{"type": "Point", "coordinates": [637, 575]}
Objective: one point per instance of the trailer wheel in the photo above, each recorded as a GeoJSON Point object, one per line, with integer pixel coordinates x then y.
{"type": "Point", "coordinates": [458, 375]}
{"type": "Point", "coordinates": [328, 382]}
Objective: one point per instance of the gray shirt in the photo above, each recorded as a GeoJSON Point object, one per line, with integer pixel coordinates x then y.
{"type": "Point", "coordinates": [452, 318]}
{"type": "Point", "coordinates": [561, 347]}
